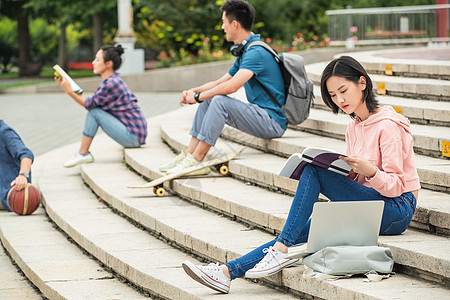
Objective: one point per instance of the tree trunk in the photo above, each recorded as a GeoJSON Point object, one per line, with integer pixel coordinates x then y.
{"type": "Point", "coordinates": [98, 31]}
{"type": "Point", "coordinates": [62, 48]}
{"type": "Point", "coordinates": [26, 65]}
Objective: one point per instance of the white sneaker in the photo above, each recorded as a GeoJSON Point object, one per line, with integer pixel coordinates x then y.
{"type": "Point", "coordinates": [273, 262]}
{"type": "Point", "coordinates": [187, 162]}
{"type": "Point", "coordinates": [79, 158]}
{"type": "Point", "coordinates": [211, 275]}
{"type": "Point", "coordinates": [173, 162]}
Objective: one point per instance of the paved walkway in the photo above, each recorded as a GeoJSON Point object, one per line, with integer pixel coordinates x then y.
{"type": "Point", "coordinates": [430, 53]}
{"type": "Point", "coordinates": [49, 121]}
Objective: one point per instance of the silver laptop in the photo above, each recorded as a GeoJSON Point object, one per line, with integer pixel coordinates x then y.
{"type": "Point", "coordinates": [355, 223]}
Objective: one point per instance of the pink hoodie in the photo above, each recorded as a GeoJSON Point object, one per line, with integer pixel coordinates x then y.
{"type": "Point", "coordinates": [385, 139]}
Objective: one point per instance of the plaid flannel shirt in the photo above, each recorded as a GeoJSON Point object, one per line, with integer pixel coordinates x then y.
{"type": "Point", "coordinates": [116, 98]}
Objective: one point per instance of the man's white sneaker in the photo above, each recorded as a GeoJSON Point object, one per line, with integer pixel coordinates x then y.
{"type": "Point", "coordinates": [173, 162]}
{"type": "Point", "coordinates": [211, 275]}
{"type": "Point", "coordinates": [79, 158]}
{"type": "Point", "coordinates": [273, 262]}
{"type": "Point", "coordinates": [187, 162]}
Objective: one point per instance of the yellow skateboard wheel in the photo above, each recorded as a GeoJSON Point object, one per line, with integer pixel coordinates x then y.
{"type": "Point", "coordinates": [223, 170]}
{"type": "Point", "coordinates": [160, 192]}
{"type": "Point", "coordinates": [154, 190]}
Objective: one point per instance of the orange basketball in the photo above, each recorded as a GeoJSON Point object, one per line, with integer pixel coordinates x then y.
{"type": "Point", "coordinates": [24, 202]}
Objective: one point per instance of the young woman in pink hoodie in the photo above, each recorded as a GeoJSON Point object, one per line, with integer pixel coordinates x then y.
{"type": "Point", "coordinates": [380, 152]}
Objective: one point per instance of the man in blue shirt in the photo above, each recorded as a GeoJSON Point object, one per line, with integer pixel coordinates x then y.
{"type": "Point", "coordinates": [15, 163]}
{"type": "Point", "coordinates": [260, 117]}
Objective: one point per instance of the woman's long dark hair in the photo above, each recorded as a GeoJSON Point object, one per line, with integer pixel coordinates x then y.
{"type": "Point", "coordinates": [113, 53]}
{"type": "Point", "coordinates": [347, 67]}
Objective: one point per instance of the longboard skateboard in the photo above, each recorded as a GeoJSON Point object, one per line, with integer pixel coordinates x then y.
{"type": "Point", "coordinates": [220, 163]}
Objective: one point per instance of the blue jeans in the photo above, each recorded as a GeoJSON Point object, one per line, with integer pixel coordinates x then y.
{"type": "Point", "coordinates": [111, 126]}
{"type": "Point", "coordinates": [214, 113]}
{"type": "Point", "coordinates": [397, 214]}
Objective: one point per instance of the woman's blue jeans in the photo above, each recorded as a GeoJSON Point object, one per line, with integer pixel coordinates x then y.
{"type": "Point", "coordinates": [111, 126]}
{"type": "Point", "coordinates": [397, 214]}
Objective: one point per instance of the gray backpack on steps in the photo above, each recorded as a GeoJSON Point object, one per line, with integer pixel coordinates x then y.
{"type": "Point", "coordinates": [298, 88]}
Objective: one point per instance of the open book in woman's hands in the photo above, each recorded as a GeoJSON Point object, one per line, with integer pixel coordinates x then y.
{"type": "Point", "coordinates": [324, 158]}
{"type": "Point", "coordinates": [59, 72]}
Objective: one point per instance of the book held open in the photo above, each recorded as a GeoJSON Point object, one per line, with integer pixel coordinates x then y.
{"type": "Point", "coordinates": [324, 158]}
{"type": "Point", "coordinates": [75, 87]}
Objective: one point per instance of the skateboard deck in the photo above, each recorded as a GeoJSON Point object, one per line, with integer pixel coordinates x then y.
{"type": "Point", "coordinates": [157, 183]}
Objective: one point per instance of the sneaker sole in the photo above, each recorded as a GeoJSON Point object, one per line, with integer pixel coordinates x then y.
{"type": "Point", "coordinates": [272, 271]}
{"type": "Point", "coordinates": [196, 274]}
{"type": "Point", "coordinates": [79, 163]}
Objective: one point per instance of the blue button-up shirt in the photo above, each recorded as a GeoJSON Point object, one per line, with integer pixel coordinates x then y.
{"type": "Point", "coordinates": [12, 151]}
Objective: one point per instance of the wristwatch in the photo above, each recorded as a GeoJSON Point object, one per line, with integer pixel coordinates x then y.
{"type": "Point", "coordinates": [25, 174]}
{"type": "Point", "coordinates": [197, 96]}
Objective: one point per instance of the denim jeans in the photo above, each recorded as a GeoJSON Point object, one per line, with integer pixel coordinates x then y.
{"type": "Point", "coordinates": [111, 126]}
{"type": "Point", "coordinates": [214, 113]}
{"type": "Point", "coordinates": [397, 214]}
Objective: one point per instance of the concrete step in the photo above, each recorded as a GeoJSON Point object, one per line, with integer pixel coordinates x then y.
{"type": "Point", "coordinates": [417, 88]}
{"type": "Point", "coordinates": [14, 285]}
{"type": "Point", "coordinates": [376, 61]}
{"type": "Point", "coordinates": [58, 268]}
{"type": "Point", "coordinates": [147, 261]}
{"type": "Point", "coordinates": [426, 112]}
{"type": "Point", "coordinates": [427, 139]}
{"type": "Point", "coordinates": [252, 204]}
{"type": "Point", "coordinates": [216, 238]}
{"type": "Point", "coordinates": [433, 208]}
{"type": "Point", "coordinates": [434, 173]}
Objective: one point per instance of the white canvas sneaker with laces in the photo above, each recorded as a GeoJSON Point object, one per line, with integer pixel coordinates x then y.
{"type": "Point", "coordinates": [272, 263]}
{"type": "Point", "coordinates": [173, 162]}
{"type": "Point", "coordinates": [187, 162]}
{"type": "Point", "coordinates": [211, 276]}
{"type": "Point", "coordinates": [79, 158]}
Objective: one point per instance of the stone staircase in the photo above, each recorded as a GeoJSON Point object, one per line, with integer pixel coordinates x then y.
{"type": "Point", "coordinates": [97, 239]}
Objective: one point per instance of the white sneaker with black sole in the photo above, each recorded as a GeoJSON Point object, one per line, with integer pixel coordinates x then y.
{"type": "Point", "coordinates": [272, 263]}
{"type": "Point", "coordinates": [211, 276]}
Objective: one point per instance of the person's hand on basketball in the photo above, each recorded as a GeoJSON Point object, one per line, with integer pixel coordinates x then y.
{"type": "Point", "coordinates": [64, 83]}
{"type": "Point", "coordinates": [360, 165]}
{"type": "Point", "coordinates": [20, 182]}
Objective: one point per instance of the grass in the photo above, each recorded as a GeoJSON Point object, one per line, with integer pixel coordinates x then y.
{"type": "Point", "coordinates": [21, 84]}
{"type": "Point", "coordinates": [45, 75]}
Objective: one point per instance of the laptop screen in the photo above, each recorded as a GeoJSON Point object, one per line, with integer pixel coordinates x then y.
{"type": "Point", "coordinates": [355, 223]}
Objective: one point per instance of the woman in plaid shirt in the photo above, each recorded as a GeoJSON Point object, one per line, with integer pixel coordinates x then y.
{"type": "Point", "coordinates": [113, 107]}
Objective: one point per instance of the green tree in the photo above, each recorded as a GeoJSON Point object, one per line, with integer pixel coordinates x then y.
{"type": "Point", "coordinates": [84, 14]}
{"type": "Point", "coordinates": [8, 41]}
{"type": "Point", "coordinates": [283, 19]}
{"type": "Point", "coordinates": [177, 24]}
{"type": "Point", "coordinates": [18, 10]}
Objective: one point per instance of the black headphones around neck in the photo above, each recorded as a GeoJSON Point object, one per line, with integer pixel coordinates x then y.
{"type": "Point", "coordinates": [237, 50]}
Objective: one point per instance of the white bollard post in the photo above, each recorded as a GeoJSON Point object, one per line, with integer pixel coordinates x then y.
{"type": "Point", "coordinates": [133, 60]}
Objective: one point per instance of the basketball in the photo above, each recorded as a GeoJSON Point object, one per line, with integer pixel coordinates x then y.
{"type": "Point", "coordinates": [24, 202]}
